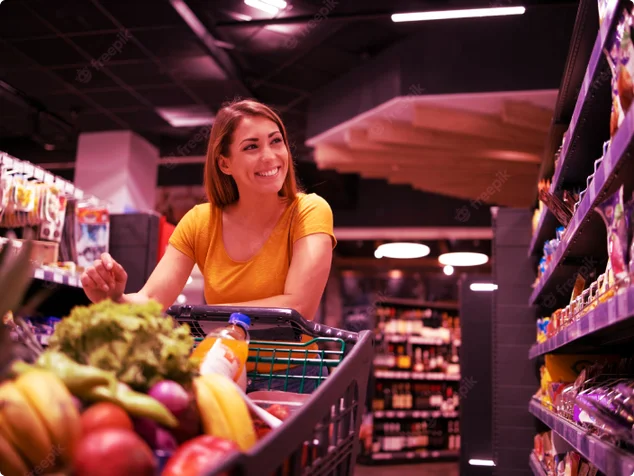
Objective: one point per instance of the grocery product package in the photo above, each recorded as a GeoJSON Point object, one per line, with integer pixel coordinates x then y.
{"type": "Point", "coordinates": [92, 234]}
{"type": "Point", "coordinates": [612, 211]}
{"type": "Point", "coordinates": [614, 58]}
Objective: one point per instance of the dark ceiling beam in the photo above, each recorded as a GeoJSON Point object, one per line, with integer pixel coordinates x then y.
{"type": "Point", "coordinates": [301, 19]}
{"type": "Point", "coordinates": [217, 53]}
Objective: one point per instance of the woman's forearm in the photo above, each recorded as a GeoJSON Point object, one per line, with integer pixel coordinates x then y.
{"type": "Point", "coordinates": [133, 298]}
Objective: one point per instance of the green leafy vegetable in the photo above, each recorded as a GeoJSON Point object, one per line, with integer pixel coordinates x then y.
{"type": "Point", "coordinates": [135, 341]}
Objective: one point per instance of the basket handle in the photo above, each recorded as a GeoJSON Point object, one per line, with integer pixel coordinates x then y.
{"type": "Point", "coordinates": [280, 317]}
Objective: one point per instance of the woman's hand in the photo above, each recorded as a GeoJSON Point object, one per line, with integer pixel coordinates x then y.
{"type": "Point", "coordinates": [105, 279]}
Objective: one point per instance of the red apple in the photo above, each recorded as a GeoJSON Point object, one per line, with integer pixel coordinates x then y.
{"type": "Point", "coordinates": [199, 455]}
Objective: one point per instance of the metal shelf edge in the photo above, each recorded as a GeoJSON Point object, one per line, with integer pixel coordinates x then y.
{"type": "Point", "coordinates": [617, 309]}
{"type": "Point", "coordinates": [608, 458]}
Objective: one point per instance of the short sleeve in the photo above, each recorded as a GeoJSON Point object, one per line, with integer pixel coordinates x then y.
{"type": "Point", "coordinates": [184, 236]}
{"type": "Point", "coordinates": [314, 215]}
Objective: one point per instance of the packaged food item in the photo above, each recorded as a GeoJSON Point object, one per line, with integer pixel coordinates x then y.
{"type": "Point", "coordinates": [226, 350]}
{"type": "Point", "coordinates": [93, 232]}
{"type": "Point", "coordinates": [625, 67]}
{"type": "Point", "coordinates": [612, 212]}
{"type": "Point", "coordinates": [612, 53]}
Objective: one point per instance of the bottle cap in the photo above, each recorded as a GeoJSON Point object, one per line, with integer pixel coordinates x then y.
{"type": "Point", "coordinates": [240, 319]}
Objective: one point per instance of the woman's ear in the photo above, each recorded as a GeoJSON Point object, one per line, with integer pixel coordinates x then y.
{"type": "Point", "coordinates": [223, 165]}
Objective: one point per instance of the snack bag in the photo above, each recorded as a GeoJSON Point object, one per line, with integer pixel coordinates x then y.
{"type": "Point", "coordinates": [613, 214]}
{"type": "Point", "coordinates": [613, 55]}
{"type": "Point", "coordinates": [625, 67]}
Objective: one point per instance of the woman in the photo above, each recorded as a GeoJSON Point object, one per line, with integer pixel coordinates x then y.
{"type": "Point", "coordinates": [258, 242]}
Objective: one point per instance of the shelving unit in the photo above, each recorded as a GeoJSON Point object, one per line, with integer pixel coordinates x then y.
{"type": "Point", "coordinates": [45, 274]}
{"type": "Point", "coordinates": [583, 247]}
{"type": "Point", "coordinates": [425, 419]}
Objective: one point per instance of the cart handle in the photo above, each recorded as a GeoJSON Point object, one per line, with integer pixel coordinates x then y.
{"type": "Point", "coordinates": [280, 317]}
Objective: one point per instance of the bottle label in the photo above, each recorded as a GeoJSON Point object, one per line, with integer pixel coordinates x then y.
{"type": "Point", "coordinates": [220, 360]}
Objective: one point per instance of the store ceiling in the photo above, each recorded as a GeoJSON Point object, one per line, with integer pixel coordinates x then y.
{"type": "Point", "coordinates": [152, 62]}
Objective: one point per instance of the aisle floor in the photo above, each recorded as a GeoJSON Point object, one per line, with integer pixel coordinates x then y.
{"type": "Point", "coordinates": [425, 469]}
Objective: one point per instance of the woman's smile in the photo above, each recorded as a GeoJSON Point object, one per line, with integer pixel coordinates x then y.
{"type": "Point", "coordinates": [269, 173]}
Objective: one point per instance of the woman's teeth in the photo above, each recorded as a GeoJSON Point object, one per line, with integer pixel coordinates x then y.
{"type": "Point", "coordinates": [268, 173]}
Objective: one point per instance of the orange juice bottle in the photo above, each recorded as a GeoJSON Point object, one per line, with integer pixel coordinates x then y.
{"type": "Point", "coordinates": [225, 351]}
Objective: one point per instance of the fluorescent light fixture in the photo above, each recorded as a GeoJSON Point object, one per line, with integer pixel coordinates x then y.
{"type": "Point", "coordinates": [265, 7]}
{"type": "Point", "coordinates": [483, 287]}
{"type": "Point", "coordinates": [193, 116]}
{"type": "Point", "coordinates": [463, 259]}
{"type": "Point", "coordinates": [481, 462]}
{"type": "Point", "coordinates": [402, 250]}
{"type": "Point", "coordinates": [454, 14]}
{"type": "Point", "coordinates": [448, 270]}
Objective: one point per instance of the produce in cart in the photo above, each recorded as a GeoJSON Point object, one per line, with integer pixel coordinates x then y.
{"type": "Point", "coordinates": [117, 385]}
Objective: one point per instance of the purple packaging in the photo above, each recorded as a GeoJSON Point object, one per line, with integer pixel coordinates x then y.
{"type": "Point", "coordinates": [613, 214]}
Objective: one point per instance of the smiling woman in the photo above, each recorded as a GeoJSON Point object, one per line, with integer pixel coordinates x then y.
{"type": "Point", "coordinates": [258, 241]}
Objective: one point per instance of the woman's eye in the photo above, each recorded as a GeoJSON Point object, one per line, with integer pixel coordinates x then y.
{"type": "Point", "coordinates": [249, 147]}
{"type": "Point", "coordinates": [276, 140]}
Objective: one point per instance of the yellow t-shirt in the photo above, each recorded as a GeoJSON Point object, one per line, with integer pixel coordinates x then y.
{"type": "Point", "coordinates": [199, 236]}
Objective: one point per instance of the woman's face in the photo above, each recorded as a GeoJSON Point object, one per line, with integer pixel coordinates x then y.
{"type": "Point", "coordinates": [258, 159]}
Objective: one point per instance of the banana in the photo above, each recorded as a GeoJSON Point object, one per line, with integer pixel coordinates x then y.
{"type": "Point", "coordinates": [234, 408]}
{"type": "Point", "coordinates": [20, 424]}
{"type": "Point", "coordinates": [78, 378]}
{"type": "Point", "coordinates": [214, 420]}
{"type": "Point", "coordinates": [53, 403]}
{"type": "Point", "coordinates": [11, 463]}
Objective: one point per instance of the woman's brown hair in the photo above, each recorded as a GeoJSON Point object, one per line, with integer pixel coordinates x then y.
{"type": "Point", "coordinates": [221, 188]}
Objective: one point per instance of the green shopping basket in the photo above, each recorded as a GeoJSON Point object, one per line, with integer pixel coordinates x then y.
{"type": "Point", "coordinates": [333, 367]}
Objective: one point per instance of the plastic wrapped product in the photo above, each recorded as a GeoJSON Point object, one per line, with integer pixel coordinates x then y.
{"type": "Point", "coordinates": [613, 214]}
{"type": "Point", "coordinates": [613, 55]}
{"type": "Point", "coordinates": [625, 68]}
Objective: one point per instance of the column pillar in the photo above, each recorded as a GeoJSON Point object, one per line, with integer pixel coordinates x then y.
{"type": "Point", "coordinates": [119, 167]}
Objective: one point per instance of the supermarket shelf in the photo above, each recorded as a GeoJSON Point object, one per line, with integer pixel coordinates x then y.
{"type": "Point", "coordinates": [536, 466]}
{"type": "Point", "coordinates": [546, 228]}
{"type": "Point", "coordinates": [407, 375]}
{"type": "Point", "coordinates": [589, 125]}
{"type": "Point", "coordinates": [448, 305]}
{"type": "Point", "coordinates": [418, 340]}
{"type": "Point", "coordinates": [608, 458]}
{"type": "Point", "coordinates": [610, 313]}
{"type": "Point", "coordinates": [585, 235]}
{"type": "Point", "coordinates": [405, 414]}
{"type": "Point", "coordinates": [417, 455]}
{"type": "Point", "coordinates": [57, 277]}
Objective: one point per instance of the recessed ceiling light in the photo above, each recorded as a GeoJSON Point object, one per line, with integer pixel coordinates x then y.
{"type": "Point", "coordinates": [483, 287]}
{"type": "Point", "coordinates": [463, 259]}
{"type": "Point", "coordinates": [181, 299]}
{"type": "Point", "coordinates": [265, 7]}
{"type": "Point", "coordinates": [481, 462]}
{"type": "Point", "coordinates": [454, 14]}
{"type": "Point", "coordinates": [402, 250]}
{"type": "Point", "coordinates": [448, 270]}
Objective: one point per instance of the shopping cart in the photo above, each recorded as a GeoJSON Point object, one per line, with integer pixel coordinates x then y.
{"type": "Point", "coordinates": [321, 438]}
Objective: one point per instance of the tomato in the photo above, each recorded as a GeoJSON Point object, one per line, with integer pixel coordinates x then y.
{"type": "Point", "coordinates": [105, 415]}
{"type": "Point", "coordinates": [111, 451]}
{"type": "Point", "coordinates": [198, 455]}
